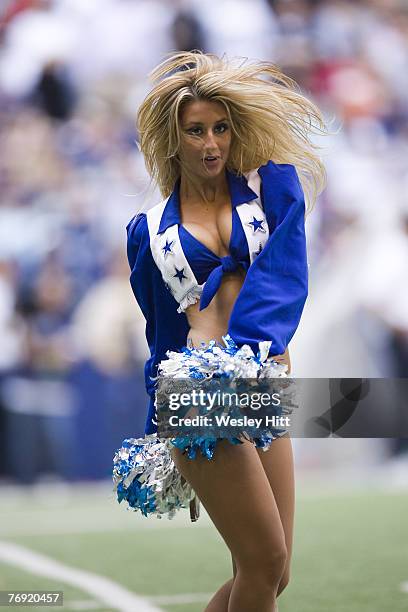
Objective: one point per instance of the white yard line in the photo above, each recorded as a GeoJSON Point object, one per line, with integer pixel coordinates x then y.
{"type": "Point", "coordinates": [404, 587]}
{"type": "Point", "coordinates": [112, 594]}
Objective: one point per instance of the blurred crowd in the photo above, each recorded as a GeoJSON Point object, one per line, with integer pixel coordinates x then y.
{"type": "Point", "coordinates": [72, 74]}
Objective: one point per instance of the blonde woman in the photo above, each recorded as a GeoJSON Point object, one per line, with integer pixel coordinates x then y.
{"type": "Point", "coordinates": [221, 262]}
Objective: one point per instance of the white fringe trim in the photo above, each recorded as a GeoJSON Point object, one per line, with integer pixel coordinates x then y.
{"type": "Point", "coordinates": [191, 298]}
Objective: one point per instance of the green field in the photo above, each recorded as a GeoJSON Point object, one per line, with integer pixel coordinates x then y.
{"type": "Point", "coordinates": [350, 555]}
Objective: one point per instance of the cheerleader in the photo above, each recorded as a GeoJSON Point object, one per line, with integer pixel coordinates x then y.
{"type": "Point", "coordinates": [219, 270]}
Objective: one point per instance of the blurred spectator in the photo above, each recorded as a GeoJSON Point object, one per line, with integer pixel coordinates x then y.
{"type": "Point", "coordinates": [187, 32]}
{"type": "Point", "coordinates": [107, 326]}
{"type": "Point", "coordinates": [11, 325]}
{"type": "Point", "coordinates": [55, 91]}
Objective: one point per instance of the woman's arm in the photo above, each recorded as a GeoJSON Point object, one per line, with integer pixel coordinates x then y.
{"type": "Point", "coordinates": [275, 289]}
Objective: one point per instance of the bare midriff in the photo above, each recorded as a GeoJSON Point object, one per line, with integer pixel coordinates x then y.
{"type": "Point", "coordinates": [212, 322]}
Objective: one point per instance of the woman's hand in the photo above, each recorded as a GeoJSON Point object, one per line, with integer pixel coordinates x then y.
{"type": "Point", "coordinates": [284, 358]}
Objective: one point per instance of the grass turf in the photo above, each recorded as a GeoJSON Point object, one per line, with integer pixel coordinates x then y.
{"type": "Point", "coordinates": [350, 552]}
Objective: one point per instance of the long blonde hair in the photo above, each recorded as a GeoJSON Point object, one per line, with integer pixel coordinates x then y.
{"type": "Point", "coordinates": [269, 117]}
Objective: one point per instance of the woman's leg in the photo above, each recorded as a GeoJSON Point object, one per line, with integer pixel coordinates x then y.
{"type": "Point", "coordinates": [220, 600]}
{"type": "Point", "coordinates": [277, 462]}
{"type": "Point", "coordinates": [236, 493]}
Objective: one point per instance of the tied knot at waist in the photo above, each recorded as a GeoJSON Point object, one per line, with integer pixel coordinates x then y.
{"type": "Point", "coordinates": [227, 265]}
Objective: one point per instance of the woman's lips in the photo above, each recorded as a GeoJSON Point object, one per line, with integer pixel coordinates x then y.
{"type": "Point", "coordinates": [211, 163]}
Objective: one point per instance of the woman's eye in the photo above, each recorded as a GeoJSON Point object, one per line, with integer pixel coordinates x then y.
{"type": "Point", "coordinates": [194, 131]}
{"type": "Point", "coordinates": [219, 129]}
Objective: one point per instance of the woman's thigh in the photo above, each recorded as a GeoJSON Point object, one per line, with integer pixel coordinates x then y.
{"type": "Point", "coordinates": [277, 463]}
{"type": "Point", "coordinates": [235, 491]}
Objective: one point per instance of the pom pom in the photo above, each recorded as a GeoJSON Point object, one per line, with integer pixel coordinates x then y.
{"type": "Point", "coordinates": [146, 477]}
{"type": "Point", "coordinates": [144, 472]}
{"type": "Point", "coordinates": [215, 361]}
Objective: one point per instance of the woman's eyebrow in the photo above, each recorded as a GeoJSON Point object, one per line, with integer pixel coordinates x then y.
{"type": "Point", "coordinates": [200, 123]}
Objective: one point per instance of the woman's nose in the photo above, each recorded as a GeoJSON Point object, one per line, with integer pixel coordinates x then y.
{"type": "Point", "coordinates": [210, 139]}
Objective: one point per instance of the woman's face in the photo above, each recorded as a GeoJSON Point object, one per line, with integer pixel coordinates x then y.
{"type": "Point", "coordinates": [205, 138]}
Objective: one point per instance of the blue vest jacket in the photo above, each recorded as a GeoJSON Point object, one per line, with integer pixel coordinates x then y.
{"type": "Point", "coordinates": [272, 297]}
